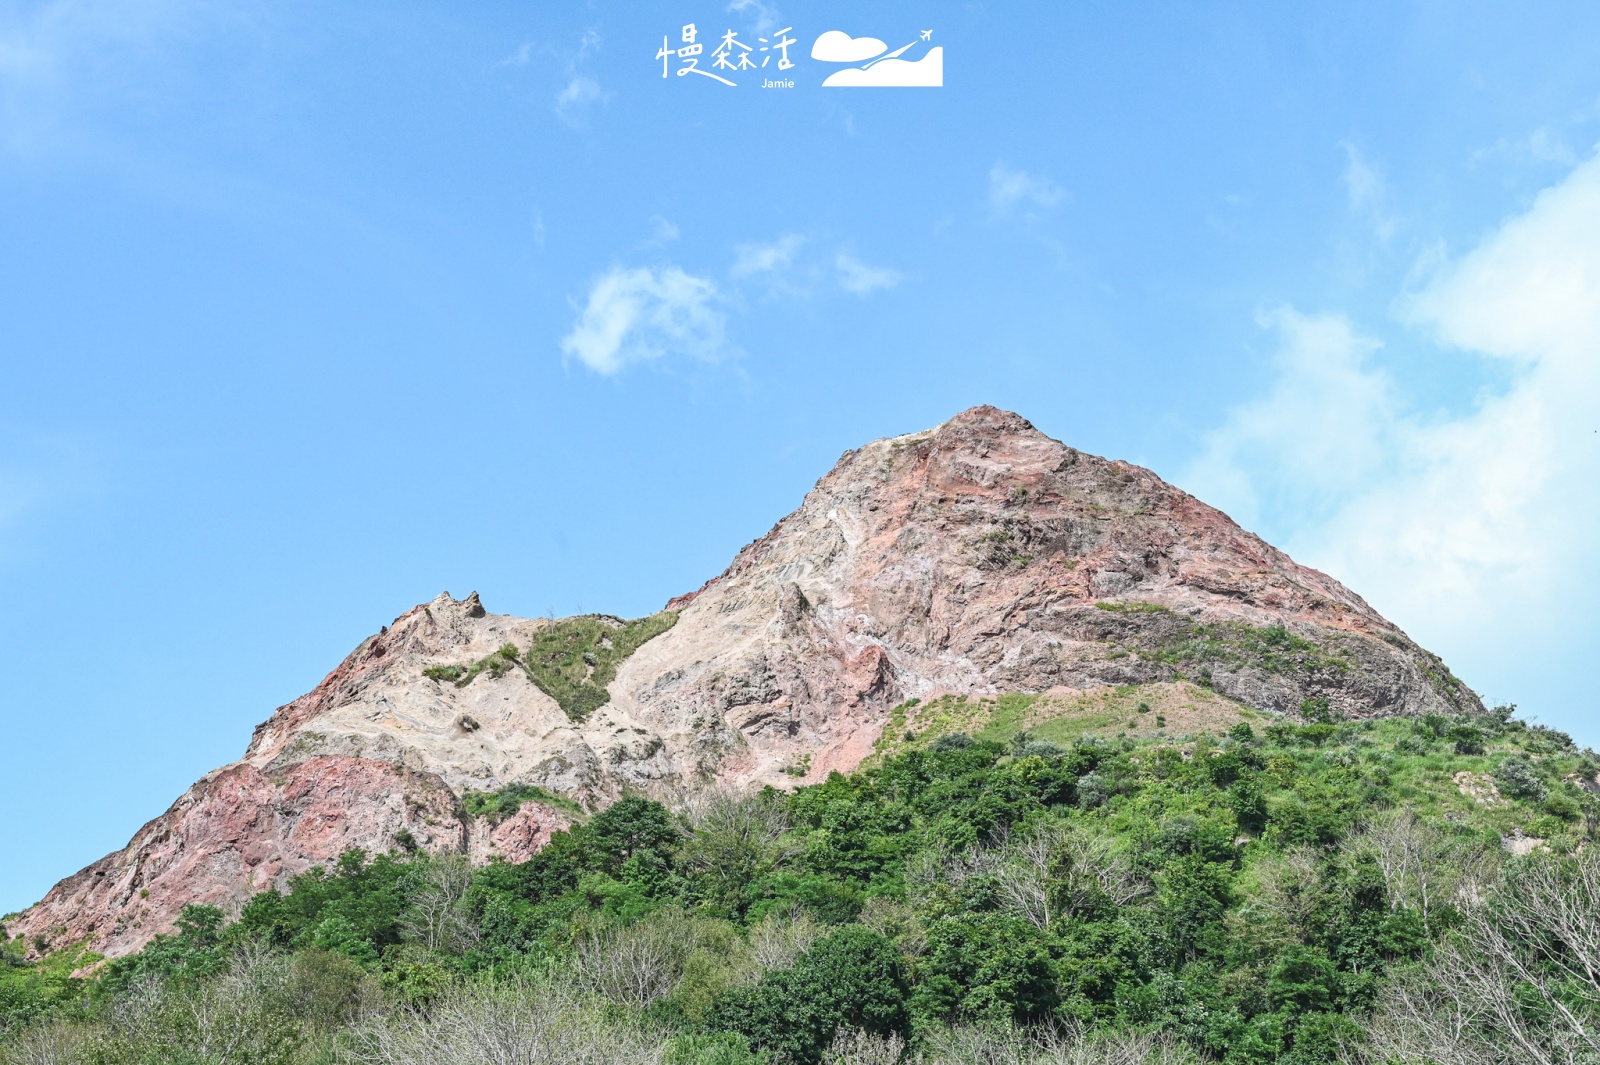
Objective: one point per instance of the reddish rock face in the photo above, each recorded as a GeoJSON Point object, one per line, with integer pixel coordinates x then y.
{"type": "Point", "coordinates": [983, 556]}
{"type": "Point", "coordinates": [235, 833]}
{"type": "Point", "coordinates": [977, 557]}
{"type": "Point", "coordinates": [520, 836]}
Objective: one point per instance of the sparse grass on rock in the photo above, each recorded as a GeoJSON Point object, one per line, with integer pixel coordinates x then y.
{"type": "Point", "coordinates": [1164, 709]}
{"type": "Point", "coordinates": [571, 660]}
{"type": "Point", "coordinates": [497, 806]}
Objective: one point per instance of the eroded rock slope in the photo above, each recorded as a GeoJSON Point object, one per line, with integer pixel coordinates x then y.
{"type": "Point", "coordinates": [977, 557]}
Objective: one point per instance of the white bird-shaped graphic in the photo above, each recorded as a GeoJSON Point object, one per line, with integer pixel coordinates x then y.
{"type": "Point", "coordinates": [927, 35]}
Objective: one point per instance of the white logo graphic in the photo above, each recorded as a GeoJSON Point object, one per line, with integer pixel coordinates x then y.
{"type": "Point", "coordinates": [730, 59]}
{"type": "Point", "coordinates": [732, 56]}
{"type": "Point", "coordinates": [878, 70]}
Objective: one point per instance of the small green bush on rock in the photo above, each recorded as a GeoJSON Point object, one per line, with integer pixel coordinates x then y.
{"type": "Point", "coordinates": [1518, 778]}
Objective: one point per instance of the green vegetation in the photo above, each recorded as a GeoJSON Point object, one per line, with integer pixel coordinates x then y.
{"type": "Point", "coordinates": [571, 660]}
{"type": "Point", "coordinates": [1519, 779]}
{"type": "Point", "coordinates": [1264, 892]}
{"type": "Point", "coordinates": [499, 805]}
{"type": "Point", "coordinates": [1010, 546]}
{"type": "Point", "coordinates": [1108, 713]}
{"type": "Point", "coordinates": [574, 659]}
{"type": "Point", "coordinates": [497, 665]}
{"type": "Point", "coordinates": [30, 992]}
{"type": "Point", "coordinates": [1273, 648]}
{"type": "Point", "coordinates": [1193, 649]}
{"type": "Point", "coordinates": [1131, 607]}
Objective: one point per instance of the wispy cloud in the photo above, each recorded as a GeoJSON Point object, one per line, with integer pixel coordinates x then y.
{"type": "Point", "coordinates": [772, 257]}
{"type": "Point", "coordinates": [1447, 522]}
{"type": "Point", "coordinates": [519, 58]}
{"type": "Point", "coordinates": [857, 277]}
{"type": "Point", "coordinates": [580, 91]}
{"type": "Point", "coordinates": [1545, 145]}
{"type": "Point", "coordinates": [763, 16]}
{"type": "Point", "coordinates": [62, 34]}
{"type": "Point", "coordinates": [1367, 191]}
{"type": "Point", "coordinates": [644, 314]}
{"type": "Point", "coordinates": [588, 44]}
{"type": "Point", "coordinates": [1017, 193]}
{"type": "Point", "coordinates": [1320, 431]}
{"type": "Point", "coordinates": [662, 232]}
{"type": "Point", "coordinates": [58, 55]}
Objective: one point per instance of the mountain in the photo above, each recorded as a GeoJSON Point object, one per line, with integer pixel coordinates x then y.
{"type": "Point", "coordinates": [937, 570]}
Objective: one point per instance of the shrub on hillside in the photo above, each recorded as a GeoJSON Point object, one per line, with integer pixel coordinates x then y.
{"type": "Point", "coordinates": [850, 979]}
{"type": "Point", "coordinates": [1517, 778]}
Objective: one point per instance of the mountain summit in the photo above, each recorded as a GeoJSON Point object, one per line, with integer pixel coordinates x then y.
{"type": "Point", "coordinates": [977, 559]}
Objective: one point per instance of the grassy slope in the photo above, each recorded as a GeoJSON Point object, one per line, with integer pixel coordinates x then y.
{"type": "Point", "coordinates": [1143, 711]}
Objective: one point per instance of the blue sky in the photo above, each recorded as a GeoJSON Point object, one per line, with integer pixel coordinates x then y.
{"type": "Point", "coordinates": [308, 312]}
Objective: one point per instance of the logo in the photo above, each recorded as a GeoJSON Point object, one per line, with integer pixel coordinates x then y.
{"type": "Point", "coordinates": [851, 62]}
{"type": "Point", "coordinates": [881, 71]}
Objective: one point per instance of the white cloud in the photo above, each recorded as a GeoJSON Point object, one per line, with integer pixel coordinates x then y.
{"type": "Point", "coordinates": [773, 257]}
{"type": "Point", "coordinates": [1013, 192]}
{"type": "Point", "coordinates": [520, 57]}
{"type": "Point", "coordinates": [571, 102]}
{"type": "Point", "coordinates": [1317, 433]}
{"type": "Point", "coordinates": [1531, 292]}
{"type": "Point", "coordinates": [1367, 191]}
{"type": "Point", "coordinates": [662, 232]}
{"type": "Point", "coordinates": [1476, 530]}
{"type": "Point", "coordinates": [642, 315]}
{"type": "Point", "coordinates": [1547, 144]}
{"type": "Point", "coordinates": [857, 277]}
{"type": "Point", "coordinates": [588, 44]}
{"type": "Point", "coordinates": [580, 91]}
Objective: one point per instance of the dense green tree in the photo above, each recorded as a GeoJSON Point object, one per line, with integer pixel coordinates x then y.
{"type": "Point", "coordinates": [633, 834]}
{"type": "Point", "coordinates": [986, 967]}
{"type": "Point", "coordinates": [851, 979]}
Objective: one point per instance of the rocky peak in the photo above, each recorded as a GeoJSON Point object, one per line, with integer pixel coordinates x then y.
{"type": "Point", "coordinates": [975, 558]}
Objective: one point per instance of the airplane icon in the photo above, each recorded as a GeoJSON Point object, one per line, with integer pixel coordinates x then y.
{"type": "Point", "coordinates": [927, 35]}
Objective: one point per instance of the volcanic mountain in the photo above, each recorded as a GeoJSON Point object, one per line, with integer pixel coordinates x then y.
{"type": "Point", "coordinates": [978, 558]}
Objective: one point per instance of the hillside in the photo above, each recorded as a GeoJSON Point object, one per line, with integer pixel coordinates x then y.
{"type": "Point", "coordinates": [1371, 891]}
{"type": "Point", "coordinates": [979, 560]}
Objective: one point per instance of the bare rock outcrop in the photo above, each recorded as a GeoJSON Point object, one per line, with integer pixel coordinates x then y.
{"type": "Point", "coordinates": [977, 557]}
{"type": "Point", "coordinates": [237, 832]}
